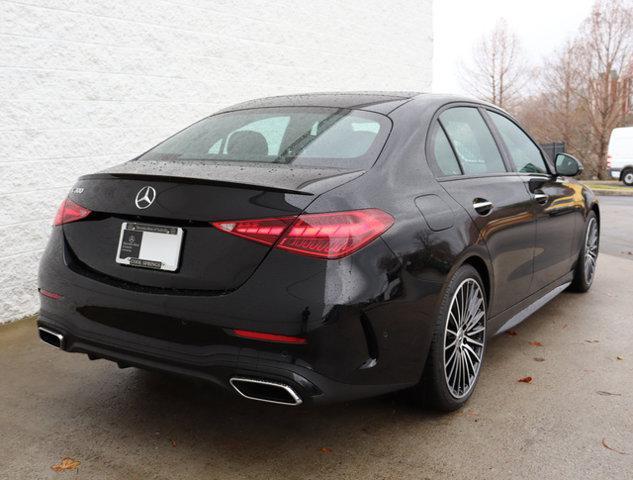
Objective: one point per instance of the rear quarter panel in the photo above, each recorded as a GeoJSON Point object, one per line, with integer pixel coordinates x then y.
{"type": "Point", "coordinates": [428, 249]}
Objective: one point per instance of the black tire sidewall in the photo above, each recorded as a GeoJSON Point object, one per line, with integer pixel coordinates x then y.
{"type": "Point", "coordinates": [439, 394]}
{"type": "Point", "coordinates": [580, 282]}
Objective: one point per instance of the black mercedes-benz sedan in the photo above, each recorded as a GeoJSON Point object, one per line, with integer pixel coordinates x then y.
{"type": "Point", "coordinates": [320, 247]}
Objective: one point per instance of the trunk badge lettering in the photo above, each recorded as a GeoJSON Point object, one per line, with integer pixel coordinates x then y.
{"type": "Point", "coordinates": [145, 197]}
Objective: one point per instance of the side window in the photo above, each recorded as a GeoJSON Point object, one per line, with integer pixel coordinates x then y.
{"type": "Point", "coordinates": [525, 154]}
{"type": "Point", "coordinates": [473, 142]}
{"type": "Point", "coordinates": [443, 153]}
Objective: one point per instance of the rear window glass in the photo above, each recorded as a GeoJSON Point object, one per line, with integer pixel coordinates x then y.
{"type": "Point", "coordinates": [318, 137]}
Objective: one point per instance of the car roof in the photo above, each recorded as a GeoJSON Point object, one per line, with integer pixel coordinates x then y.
{"type": "Point", "coordinates": [376, 101]}
{"type": "Point", "coordinates": [382, 102]}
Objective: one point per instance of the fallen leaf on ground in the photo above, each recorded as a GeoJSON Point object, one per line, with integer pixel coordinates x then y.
{"type": "Point", "coordinates": [66, 464]}
{"type": "Point", "coordinates": [525, 380]}
{"type": "Point", "coordinates": [511, 333]}
{"type": "Point", "coordinates": [536, 344]}
{"type": "Point", "coordinates": [173, 442]}
{"type": "Point", "coordinates": [539, 359]}
{"type": "Point", "coordinates": [604, 444]}
{"type": "Point", "coordinates": [325, 450]}
{"type": "Point", "coordinates": [620, 357]}
{"type": "Point", "coordinates": [592, 341]}
{"type": "Point", "coordinates": [471, 413]}
{"type": "Point", "coordinates": [608, 394]}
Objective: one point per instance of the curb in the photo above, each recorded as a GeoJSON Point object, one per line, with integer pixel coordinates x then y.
{"type": "Point", "coordinates": [612, 193]}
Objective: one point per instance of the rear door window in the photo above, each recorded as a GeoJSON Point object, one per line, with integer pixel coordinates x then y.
{"type": "Point", "coordinates": [474, 145]}
{"type": "Point", "coordinates": [443, 154]}
{"type": "Point", "coordinates": [525, 154]}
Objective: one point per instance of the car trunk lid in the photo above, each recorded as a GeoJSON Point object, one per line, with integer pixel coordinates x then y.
{"type": "Point", "coordinates": [188, 197]}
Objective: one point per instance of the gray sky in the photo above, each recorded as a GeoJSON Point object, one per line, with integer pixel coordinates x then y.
{"type": "Point", "coordinates": [541, 25]}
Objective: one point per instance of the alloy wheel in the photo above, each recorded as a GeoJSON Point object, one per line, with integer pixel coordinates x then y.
{"type": "Point", "coordinates": [591, 250]}
{"type": "Point", "coordinates": [628, 178]}
{"type": "Point", "coordinates": [464, 338]}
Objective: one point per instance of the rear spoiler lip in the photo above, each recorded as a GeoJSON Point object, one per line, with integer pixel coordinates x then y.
{"type": "Point", "coordinates": [189, 180]}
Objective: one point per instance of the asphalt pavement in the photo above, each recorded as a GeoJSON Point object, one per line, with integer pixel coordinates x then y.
{"type": "Point", "coordinates": [617, 226]}
{"type": "Point", "coordinates": [573, 421]}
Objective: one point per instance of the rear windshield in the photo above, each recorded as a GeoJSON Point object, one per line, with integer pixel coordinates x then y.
{"type": "Point", "coordinates": [316, 137]}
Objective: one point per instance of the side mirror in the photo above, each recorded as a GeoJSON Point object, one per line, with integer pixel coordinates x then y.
{"type": "Point", "coordinates": [567, 165]}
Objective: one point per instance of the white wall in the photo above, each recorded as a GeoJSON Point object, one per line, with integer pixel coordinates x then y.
{"type": "Point", "coordinates": [87, 84]}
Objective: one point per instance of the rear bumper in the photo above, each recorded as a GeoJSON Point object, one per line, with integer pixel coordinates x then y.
{"type": "Point", "coordinates": [364, 337]}
{"type": "Point", "coordinates": [310, 386]}
{"type": "Point", "coordinates": [615, 173]}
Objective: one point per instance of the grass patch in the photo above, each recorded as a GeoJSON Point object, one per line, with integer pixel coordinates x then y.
{"type": "Point", "coordinates": [612, 186]}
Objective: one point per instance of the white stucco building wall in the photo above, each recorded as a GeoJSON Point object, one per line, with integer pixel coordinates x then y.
{"type": "Point", "coordinates": [85, 84]}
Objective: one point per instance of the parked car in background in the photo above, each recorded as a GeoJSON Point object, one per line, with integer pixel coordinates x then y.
{"type": "Point", "coordinates": [321, 247]}
{"type": "Point", "coordinates": [621, 155]}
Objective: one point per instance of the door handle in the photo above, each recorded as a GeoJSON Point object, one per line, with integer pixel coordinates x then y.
{"type": "Point", "coordinates": [541, 197]}
{"type": "Point", "coordinates": [482, 206]}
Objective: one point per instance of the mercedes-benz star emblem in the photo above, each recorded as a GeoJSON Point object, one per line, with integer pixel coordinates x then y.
{"type": "Point", "coordinates": [145, 197]}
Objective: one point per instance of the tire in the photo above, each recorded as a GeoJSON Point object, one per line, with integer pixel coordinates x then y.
{"type": "Point", "coordinates": [440, 385]}
{"type": "Point", "coordinates": [585, 270]}
{"type": "Point", "coordinates": [627, 177]}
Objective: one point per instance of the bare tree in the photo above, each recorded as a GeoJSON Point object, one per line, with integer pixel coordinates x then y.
{"type": "Point", "coordinates": [605, 50]}
{"type": "Point", "coordinates": [535, 113]}
{"type": "Point", "coordinates": [561, 82]}
{"type": "Point", "coordinates": [498, 71]}
{"type": "Point", "coordinates": [558, 115]}
{"type": "Point", "coordinates": [555, 113]}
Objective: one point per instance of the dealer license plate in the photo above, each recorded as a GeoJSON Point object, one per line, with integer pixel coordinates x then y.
{"type": "Point", "coordinates": [149, 246]}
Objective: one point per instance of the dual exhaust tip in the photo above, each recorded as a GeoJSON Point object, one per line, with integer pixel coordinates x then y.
{"type": "Point", "coordinates": [266, 391]}
{"type": "Point", "coordinates": [253, 389]}
{"type": "Point", "coordinates": [51, 337]}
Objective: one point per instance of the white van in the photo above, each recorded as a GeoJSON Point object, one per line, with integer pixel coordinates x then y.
{"type": "Point", "coordinates": [620, 158]}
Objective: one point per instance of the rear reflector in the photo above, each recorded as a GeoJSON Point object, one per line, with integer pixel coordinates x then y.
{"type": "Point", "coordinates": [270, 337]}
{"type": "Point", "coordinates": [69, 211]}
{"type": "Point", "coordinates": [46, 293]}
{"type": "Point", "coordinates": [323, 235]}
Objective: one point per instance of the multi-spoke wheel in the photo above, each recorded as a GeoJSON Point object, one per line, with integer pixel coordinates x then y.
{"type": "Point", "coordinates": [464, 338]}
{"type": "Point", "coordinates": [586, 266]}
{"type": "Point", "coordinates": [591, 249]}
{"type": "Point", "coordinates": [458, 344]}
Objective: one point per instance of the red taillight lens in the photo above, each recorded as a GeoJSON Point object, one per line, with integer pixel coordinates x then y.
{"type": "Point", "coordinates": [270, 337]}
{"type": "Point", "coordinates": [265, 230]}
{"type": "Point", "coordinates": [46, 293]}
{"type": "Point", "coordinates": [69, 211]}
{"type": "Point", "coordinates": [323, 235]}
{"type": "Point", "coordinates": [608, 161]}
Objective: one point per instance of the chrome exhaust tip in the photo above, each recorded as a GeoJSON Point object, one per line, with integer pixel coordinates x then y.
{"type": "Point", "coordinates": [51, 337]}
{"type": "Point", "coordinates": [266, 391]}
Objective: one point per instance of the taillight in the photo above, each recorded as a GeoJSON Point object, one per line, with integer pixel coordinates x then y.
{"type": "Point", "coordinates": [323, 235]}
{"type": "Point", "coordinates": [69, 211]}
{"type": "Point", "coordinates": [608, 161]}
